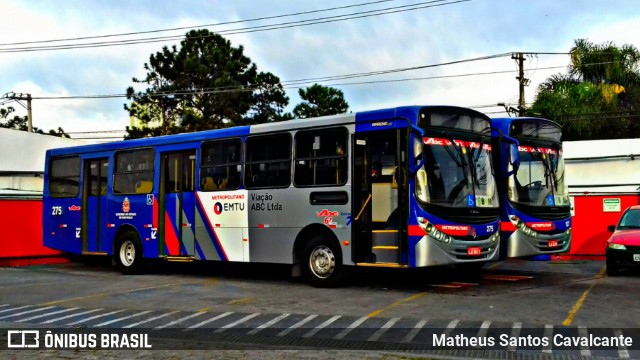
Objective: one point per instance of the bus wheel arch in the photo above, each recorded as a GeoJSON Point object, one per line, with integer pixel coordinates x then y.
{"type": "Point", "coordinates": [127, 250]}
{"type": "Point", "coordinates": [318, 256]}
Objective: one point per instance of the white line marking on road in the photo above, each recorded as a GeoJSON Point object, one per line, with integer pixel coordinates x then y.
{"type": "Point", "coordinates": [483, 329]}
{"type": "Point", "coordinates": [27, 312]}
{"type": "Point", "coordinates": [95, 317]}
{"type": "Point", "coordinates": [348, 329]}
{"type": "Point", "coordinates": [584, 350]}
{"type": "Point", "coordinates": [238, 322]}
{"type": "Point", "coordinates": [122, 318]}
{"type": "Point", "coordinates": [383, 329]}
{"type": "Point", "coordinates": [267, 324]}
{"type": "Point", "coordinates": [548, 333]}
{"type": "Point", "coordinates": [297, 325]}
{"type": "Point", "coordinates": [47, 314]}
{"type": "Point", "coordinates": [416, 329]}
{"type": "Point", "coordinates": [321, 326]}
{"type": "Point", "coordinates": [18, 308]}
{"type": "Point", "coordinates": [218, 317]}
{"type": "Point", "coordinates": [623, 353]}
{"type": "Point", "coordinates": [515, 332]}
{"type": "Point", "coordinates": [179, 320]}
{"type": "Point", "coordinates": [70, 316]}
{"type": "Point", "coordinates": [452, 325]}
{"type": "Point", "coordinates": [149, 320]}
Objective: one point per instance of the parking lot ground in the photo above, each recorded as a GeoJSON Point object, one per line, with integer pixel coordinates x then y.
{"type": "Point", "coordinates": [260, 306]}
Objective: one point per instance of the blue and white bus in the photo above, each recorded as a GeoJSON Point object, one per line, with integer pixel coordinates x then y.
{"type": "Point", "coordinates": [404, 187]}
{"type": "Point", "coordinates": [535, 214]}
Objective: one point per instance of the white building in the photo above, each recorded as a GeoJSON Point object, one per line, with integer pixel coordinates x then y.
{"type": "Point", "coordinates": [22, 161]}
{"type": "Point", "coordinates": [603, 166]}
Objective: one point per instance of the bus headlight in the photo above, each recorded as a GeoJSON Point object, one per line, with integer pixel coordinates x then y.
{"type": "Point", "coordinates": [434, 232]}
{"type": "Point", "coordinates": [522, 226]}
{"type": "Point", "coordinates": [495, 237]}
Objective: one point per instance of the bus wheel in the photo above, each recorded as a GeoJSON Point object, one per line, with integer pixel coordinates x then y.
{"type": "Point", "coordinates": [322, 263]}
{"type": "Point", "coordinates": [129, 254]}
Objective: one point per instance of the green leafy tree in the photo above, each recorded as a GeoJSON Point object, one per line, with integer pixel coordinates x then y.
{"type": "Point", "coordinates": [269, 101]}
{"type": "Point", "coordinates": [598, 96]}
{"type": "Point", "coordinates": [21, 123]}
{"type": "Point", "coordinates": [204, 84]}
{"type": "Point", "coordinates": [320, 100]}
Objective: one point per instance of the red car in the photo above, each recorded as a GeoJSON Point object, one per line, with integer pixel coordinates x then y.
{"type": "Point", "coordinates": [623, 247]}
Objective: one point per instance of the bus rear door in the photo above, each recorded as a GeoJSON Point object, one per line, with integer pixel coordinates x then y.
{"type": "Point", "coordinates": [94, 206]}
{"type": "Point", "coordinates": [177, 204]}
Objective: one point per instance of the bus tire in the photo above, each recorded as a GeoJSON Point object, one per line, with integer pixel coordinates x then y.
{"type": "Point", "coordinates": [128, 253]}
{"type": "Point", "coordinates": [322, 262]}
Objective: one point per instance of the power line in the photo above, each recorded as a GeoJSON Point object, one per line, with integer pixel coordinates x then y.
{"type": "Point", "coordinates": [321, 20]}
{"type": "Point", "coordinates": [292, 83]}
{"type": "Point", "coordinates": [198, 26]}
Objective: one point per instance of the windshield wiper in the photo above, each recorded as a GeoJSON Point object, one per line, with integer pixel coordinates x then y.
{"type": "Point", "coordinates": [547, 167]}
{"type": "Point", "coordinates": [554, 169]}
{"type": "Point", "coordinates": [460, 162]}
{"type": "Point", "coordinates": [479, 151]}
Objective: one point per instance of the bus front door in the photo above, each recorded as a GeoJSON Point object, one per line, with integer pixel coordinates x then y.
{"type": "Point", "coordinates": [177, 204]}
{"type": "Point", "coordinates": [94, 206]}
{"type": "Point", "coordinates": [379, 197]}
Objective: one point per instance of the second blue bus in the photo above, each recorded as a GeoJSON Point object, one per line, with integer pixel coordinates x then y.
{"type": "Point", "coordinates": [535, 214]}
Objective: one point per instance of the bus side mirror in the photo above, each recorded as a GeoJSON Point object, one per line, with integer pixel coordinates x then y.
{"type": "Point", "coordinates": [513, 157]}
{"type": "Point", "coordinates": [611, 228]}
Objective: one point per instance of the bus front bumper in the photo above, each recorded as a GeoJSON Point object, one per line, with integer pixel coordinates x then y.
{"type": "Point", "coordinates": [429, 251]}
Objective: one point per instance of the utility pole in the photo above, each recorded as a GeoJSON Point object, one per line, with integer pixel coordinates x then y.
{"type": "Point", "coordinates": [519, 57]}
{"type": "Point", "coordinates": [21, 96]}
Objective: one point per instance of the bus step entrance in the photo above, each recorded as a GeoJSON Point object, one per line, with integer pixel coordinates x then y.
{"type": "Point", "coordinates": [386, 265]}
{"type": "Point", "coordinates": [180, 258]}
{"type": "Point", "coordinates": [385, 246]}
{"type": "Point", "coordinates": [100, 253]}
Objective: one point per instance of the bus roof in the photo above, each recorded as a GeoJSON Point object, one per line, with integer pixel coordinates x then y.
{"type": "Point", "coordinates": [244, 130]}
{"type": "Point", "coordinates": [509, 120]}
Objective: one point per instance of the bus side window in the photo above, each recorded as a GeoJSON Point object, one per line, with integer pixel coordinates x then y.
{"type": "Point", "coordinates": [133, 172]}
{"type": "Point", "coordinates": [64, 177]}
{"type": "Point", "coordinates": [321, 157]}
{"type": "Point", "coordinates": [220, 165]}
{"type": "Point", "coordinates": [268, 161]}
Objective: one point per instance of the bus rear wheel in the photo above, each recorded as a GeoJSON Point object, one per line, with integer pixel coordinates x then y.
{"type": "Point", "coordinates": [128, 254]}
{"type": "Point", "coordinates": [322, 261]}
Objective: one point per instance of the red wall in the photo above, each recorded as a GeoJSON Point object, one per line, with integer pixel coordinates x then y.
{"type": "Point", "coordinates": [21, 229]}
{"type": "Point", "coordinates": [590, 222]}
{"type": "Point", "coordinates": [21, 234]}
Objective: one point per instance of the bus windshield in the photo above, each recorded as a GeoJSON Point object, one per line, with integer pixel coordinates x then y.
{"type": "Point", "coordinates": [459, 173]}
{"type": "Point", "coordinates": [540, 177]}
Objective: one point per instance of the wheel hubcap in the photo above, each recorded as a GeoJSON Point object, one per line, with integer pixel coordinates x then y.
{"type": "Point", "coordinates": [127, 253]}
{"type": "Point", "coordinates": [322, 261]}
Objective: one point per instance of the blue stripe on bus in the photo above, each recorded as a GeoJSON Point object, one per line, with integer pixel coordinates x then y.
{"type": "Point", "coordinates": [212, 234]}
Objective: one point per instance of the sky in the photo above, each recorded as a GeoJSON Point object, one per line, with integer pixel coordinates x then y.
{"type": "Point", "coordinates": [430, 33]}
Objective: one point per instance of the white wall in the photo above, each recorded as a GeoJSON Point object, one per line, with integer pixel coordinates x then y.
{"type": "Point", "coordinates": [22, 158]}
{"type": "Point", "coordinates": [588, 169]}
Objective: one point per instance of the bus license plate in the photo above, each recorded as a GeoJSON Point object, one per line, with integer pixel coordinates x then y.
{"type": "Point", "coordinates": [636, 257]}
{"type": "Point", "coordinates": [474, 251]}
{"type": "Point", "coordinates": [552, 243]}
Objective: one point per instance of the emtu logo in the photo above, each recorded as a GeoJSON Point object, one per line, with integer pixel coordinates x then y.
{"type": "Point", "coordinates": [217, 208]}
